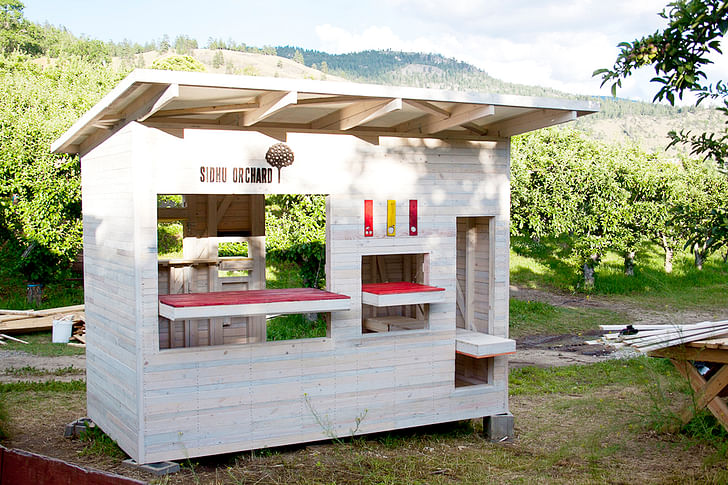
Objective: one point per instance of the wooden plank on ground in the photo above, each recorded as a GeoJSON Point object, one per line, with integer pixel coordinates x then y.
{"type": "Point", "coordinates": [28, 325]}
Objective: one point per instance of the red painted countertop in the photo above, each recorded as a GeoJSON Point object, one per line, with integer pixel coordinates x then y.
{"type": "Point", "coordinates": [248, 297]}
{"type": "Point", "coordinates": [397, 288]}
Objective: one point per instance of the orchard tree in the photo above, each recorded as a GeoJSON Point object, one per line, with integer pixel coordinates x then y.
{"type": "Point", "coordinates": [16, 33]}
{"type": "Point", "coordinates": [678, 55]}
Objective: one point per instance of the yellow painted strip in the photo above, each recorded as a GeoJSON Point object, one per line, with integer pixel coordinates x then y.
{"type": "Point", "coordinates": [391, 216]}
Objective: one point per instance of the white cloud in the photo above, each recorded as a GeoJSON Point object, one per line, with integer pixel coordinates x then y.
{"type": "Point", "coordinates": [556, 44]}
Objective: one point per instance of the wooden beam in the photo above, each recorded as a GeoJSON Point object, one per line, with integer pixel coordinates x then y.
{"type": "Point", "coordinates": [207, 110]}
{"type": "Point", "coordinates": [357, 114]}
{"type": "Point", "coordinates": [437, 121]}
{"type": "Point", "coordinates": [270, 104]}
{"type": "Point", "coordinates": [460, 115]}
{"type": "Point", "coordinates": [540, 118]}
{"type": "Point", "coordinates": [427, 107]}
{"type": "Point", "coordinates": [168, 214]}
{"type": "Point", "coordinates": [277, 134]}
{"type": "Point", "coordinates": [332, 100]}
{"type": "Point", "coordinates": [279, 129]}
{"type": "Point", "coordinates": [157, 103]}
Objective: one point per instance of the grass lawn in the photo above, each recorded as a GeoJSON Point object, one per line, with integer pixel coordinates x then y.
{"type": "Point", "coordinates": [548, 265]}
{"type": "Point", "coordinates": [601, 423]}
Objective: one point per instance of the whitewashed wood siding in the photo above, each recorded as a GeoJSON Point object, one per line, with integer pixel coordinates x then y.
{"type": "Point", "coordinates": [226, 398]}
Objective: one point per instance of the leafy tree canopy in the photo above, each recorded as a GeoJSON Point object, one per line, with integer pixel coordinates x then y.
{"type": "Point", "coordinates": [678, 55]}
{"type": "Point", "coordinates": [178, 63]}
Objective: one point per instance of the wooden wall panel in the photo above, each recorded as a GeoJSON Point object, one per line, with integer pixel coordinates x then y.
{"type": "Point", "coordinates": [226, 398]}
{"type": "Point", "coordinates": [109, 286]}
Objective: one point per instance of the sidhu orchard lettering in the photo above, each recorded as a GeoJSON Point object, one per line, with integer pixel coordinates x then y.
{"type": "Point", "coordinates": [240, 175]}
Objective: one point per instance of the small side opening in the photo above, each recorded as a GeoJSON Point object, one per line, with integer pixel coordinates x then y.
{"type": "Point", "coordinates": [470, 371]}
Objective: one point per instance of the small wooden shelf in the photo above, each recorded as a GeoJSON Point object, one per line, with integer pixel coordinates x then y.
{"type": "Point", "coordinates": [481, 345]}
{"type": "Point", "coordinates": [388, 324]}
{"type": "Point", "coordinates": [400, 293]}
{"type": "Point", "coordinates": [190, 306]}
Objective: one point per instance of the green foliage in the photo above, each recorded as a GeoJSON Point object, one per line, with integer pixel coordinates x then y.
{"type": "Point", "coordinates": [289, 327]}
{"type": "Point", "coordinates": [184, 46]}
{"type": "Point", "coordinates": [40, 193]}
{"type": "Point", "coordinates": [218, 59]}
{"type": "Point", "coordinates": [582, 378]}
{"type": "Point", "coordinates": [298, 57]}
{"type": "Point", "coordinates": [4, 420]}
{"type": "Point", "coordinates": [678, 54]}
{"type": "Point", "coordinates": [550, 264]}
{"type": "Point", "coordinates": [296, 231]}
{"type": "Point", "coordinates": [169, 239]}
{"type": "Point", "coordinates": [46, 386]}
{"type": "Point", "coordinates": [178, 63]}
{"type": "Point", "coordinates": [99, 444]}
{"type": "Point", "coordinates": [612, 198]}
{"type": "Point", "coordinates": [538, 318]}
{"type": "Point", "coordinates": [16, 33]}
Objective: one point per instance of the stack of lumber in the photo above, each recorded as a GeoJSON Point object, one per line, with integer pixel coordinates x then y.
{"type": "Point", "coordinates": [27, 321]}
{"type": "Point", "coordinates": [79, 333]}
{"type": "Point", "coordinates": [653, 337]}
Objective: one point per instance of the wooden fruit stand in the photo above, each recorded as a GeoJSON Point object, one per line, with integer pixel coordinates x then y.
{"type": "Point", "coordinates": [417, 244]}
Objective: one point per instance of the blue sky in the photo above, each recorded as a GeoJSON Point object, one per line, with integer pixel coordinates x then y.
{"type": "Point", "coordinates": [554, 43]}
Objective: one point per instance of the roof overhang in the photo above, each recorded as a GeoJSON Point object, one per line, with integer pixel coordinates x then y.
{"type": "Point", "coordinates": [173, 100]}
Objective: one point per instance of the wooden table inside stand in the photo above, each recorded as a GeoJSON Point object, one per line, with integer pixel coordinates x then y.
{"type": "Point", "coordinates": [190, 306]}
{"type": "Point", "coordinates": [707, 393]}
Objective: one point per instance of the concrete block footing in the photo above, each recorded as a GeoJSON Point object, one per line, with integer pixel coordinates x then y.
{"type": "Point", "coordinates": [75, 428]}
{"type": "Point", "coordinates": [498, 428]}
{"type": "Point", "coordinates": [159, 469]}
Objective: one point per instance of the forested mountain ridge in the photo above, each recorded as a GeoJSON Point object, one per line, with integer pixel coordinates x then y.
{"type": "Point", "coordinates": [619, 120]}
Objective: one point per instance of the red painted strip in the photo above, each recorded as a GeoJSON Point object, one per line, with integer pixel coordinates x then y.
{"type": "Point", "coordinates": [397, 288]}
{"type": "Point", "coordinates": [484, 356]}
{"type": "Point", "coordinates": [24, 468]}
{"type": "Point", "coordinates": [248, 297]}
{"type": "Point", "coordinates": [413, 218]}
{"type": "Point", "coordinates": [368, 218]}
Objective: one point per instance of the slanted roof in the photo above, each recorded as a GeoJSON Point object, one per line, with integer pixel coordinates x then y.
{"type": "Point", "coordinates": [177, 100]}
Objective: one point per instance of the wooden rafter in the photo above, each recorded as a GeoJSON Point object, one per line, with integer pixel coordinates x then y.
{"type": "Point", "coordinates": [270, 104]}
{"type": "Point", "coordinates": [460, 115]}
{"type": "Point", "coordinates": [531, 121]}
{"type": "Point", "coordinates": [356, 114]}
{"type": "Point", "coordinates": [428, 108]}
{"type": "Point", "coordinates": [332, 100]}
{"type": "Point", "coordinates": [207, 110]}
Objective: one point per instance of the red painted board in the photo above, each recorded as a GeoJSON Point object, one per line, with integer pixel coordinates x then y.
{"type": "Point", "coordinates": [24, 468]}
{"type": "Point", "coordinates": [397, 288]}
{"type": "Point", "coordinates": [412, 217]}
{"type": "Point", "coordinates": [249, 296]}
{"type": "Point", "coordinates": [368, 218]}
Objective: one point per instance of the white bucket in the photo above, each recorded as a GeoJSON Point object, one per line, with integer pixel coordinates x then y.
{"type": "Point", "coordinates": [62, 331]}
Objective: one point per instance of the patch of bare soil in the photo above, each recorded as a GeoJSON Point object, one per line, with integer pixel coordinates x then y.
{"type": "Point", "coordinates": [560, 350]}
{"type": "Point", "coordinates": [16, 366]}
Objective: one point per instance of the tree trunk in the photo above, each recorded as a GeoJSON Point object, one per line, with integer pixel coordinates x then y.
{"type": "Point", "coordinates": [668, 255]}
{"type": "Point", "coordinates": [668, 260]}
{"type": "Point", "coordinates": [35, 294]}
{"type": "Point", "coordinates": [725, 256]}
{"type": "Point", "coordinates": [588, 269]}
{"type": "Point", "coordinates": [629, 263]}
{"type": "Point", "coordinates": [699, 256]}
